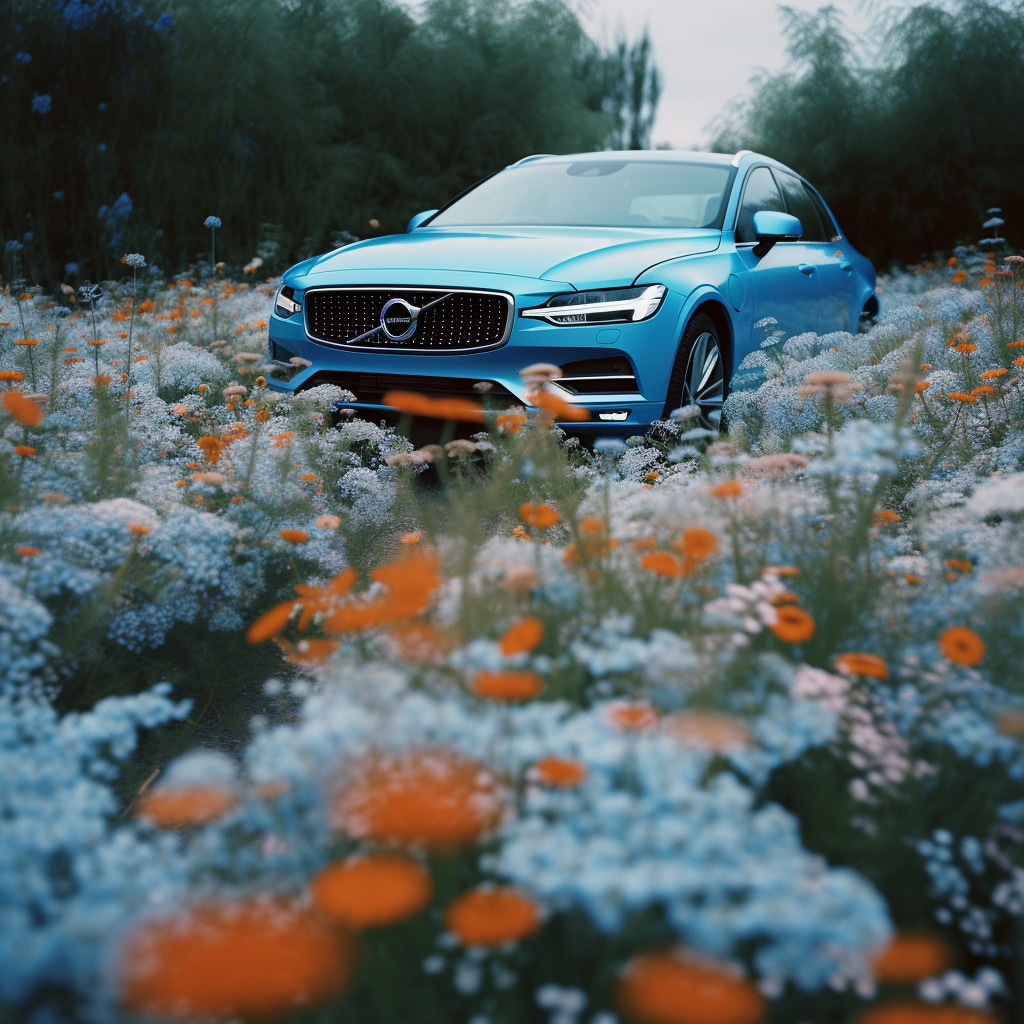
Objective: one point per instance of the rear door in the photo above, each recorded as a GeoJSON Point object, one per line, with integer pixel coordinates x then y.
{"type": "Point", "coordinates": [822, 246]}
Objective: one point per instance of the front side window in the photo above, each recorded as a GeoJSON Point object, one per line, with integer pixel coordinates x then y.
{"type": "Point", "coordinates": [759, 193]}
{"type": "Point", "coordinates": [596, 192]}
{"type": "Point", "coordinates": [798, 203]}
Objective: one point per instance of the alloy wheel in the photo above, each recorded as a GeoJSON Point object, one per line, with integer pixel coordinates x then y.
{"type": "Point", "coordinates": [704, 384]}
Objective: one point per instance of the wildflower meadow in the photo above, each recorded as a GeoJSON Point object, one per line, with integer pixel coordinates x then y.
{"type": "Point", "coordinates": [299, 721]}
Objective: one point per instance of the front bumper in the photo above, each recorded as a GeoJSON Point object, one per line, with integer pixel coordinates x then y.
{"type": "Point", "coordinates": [618, 373]}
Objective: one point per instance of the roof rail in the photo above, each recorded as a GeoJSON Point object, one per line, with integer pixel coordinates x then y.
{"type": "Point", "coordinates": [740, 155]}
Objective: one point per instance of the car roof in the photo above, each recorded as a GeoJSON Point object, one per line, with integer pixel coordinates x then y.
{"type": "Point", "coordinates": [649, 156]}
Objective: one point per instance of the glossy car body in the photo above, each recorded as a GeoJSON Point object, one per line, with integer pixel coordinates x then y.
{"type": "Point", "coordinates": [641, 274]}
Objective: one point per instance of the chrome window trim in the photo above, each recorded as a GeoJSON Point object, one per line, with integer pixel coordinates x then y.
{"type": "Point", "coordinates": [408, 289]}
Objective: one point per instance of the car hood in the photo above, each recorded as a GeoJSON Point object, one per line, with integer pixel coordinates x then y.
{"type": "Point", "coordinates": [582, 257]}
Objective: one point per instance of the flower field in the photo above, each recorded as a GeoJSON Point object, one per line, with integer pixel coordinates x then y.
{"type": "Point", "coordinates": [300, 722]}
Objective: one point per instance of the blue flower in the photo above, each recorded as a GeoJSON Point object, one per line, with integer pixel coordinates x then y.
{"type": "Point", "coordinates": [211, 222]}
{"type": "Point", "coordinates": [41, 103]}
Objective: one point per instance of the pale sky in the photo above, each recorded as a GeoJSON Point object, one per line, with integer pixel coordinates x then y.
{"type": "Point", "coordinates": [707, 50]}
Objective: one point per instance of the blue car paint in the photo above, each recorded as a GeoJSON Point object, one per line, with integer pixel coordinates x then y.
{"type": "Point", "coordinates": [809, 286]}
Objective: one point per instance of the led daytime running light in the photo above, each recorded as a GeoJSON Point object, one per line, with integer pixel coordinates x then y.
{"type": "Point", "coordinates": [620, 305]}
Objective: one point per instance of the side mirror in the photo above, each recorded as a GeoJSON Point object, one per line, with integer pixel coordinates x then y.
{"type": "Point", "coordinates": [771, 226]}
{"type": "Point", "coordinates": [418, 219]}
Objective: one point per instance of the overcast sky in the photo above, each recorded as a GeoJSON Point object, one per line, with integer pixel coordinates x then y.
{"type": "Point", "coordinates": [707, 50]}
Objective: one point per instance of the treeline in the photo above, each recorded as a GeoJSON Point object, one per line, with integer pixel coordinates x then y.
{"type": "Point", "coordinates": [913, 136]}
{"type": "Point", "coordinates": [297, 122]}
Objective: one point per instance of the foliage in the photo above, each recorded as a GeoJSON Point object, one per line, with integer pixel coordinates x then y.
{"type": "Point", "coordinates": [927, 120]}
{"type": "Point", "coordinates": [158, 104]}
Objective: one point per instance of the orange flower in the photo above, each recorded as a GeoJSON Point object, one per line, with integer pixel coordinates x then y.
{"type": "Point", "coordinates": [26, 451]}
{"type": "Point", "coordinates": [560, 772]}
{"type": "Point", "coordinates": [557, 407]}
{"type": "Point", "coordinates": [328, 521]}
{"type": "Point", "coordinates": [856, 663]}
{"type": "Point", "coordinates": [372, 891]}
{"type": "Point", "coordinates": [959, 565]}
{"type": "Point", "coordinates": [523, 636]}
{"type": "Point", "coordinates": [780, 570]}
{"type": "Point", "coordinates": [27, 551]}
{"type": "Point", "coordinates": [269, 624]}
{"type": "Point", "coordinates": [245, 958]}
{"type": "Point", "coordinates": [662, 563]}
{"type": "Point", "coordinates": [670, 988]}
{"type": "Point", "coordinates": [910, 957]}
{"type": "Point", "coordinates": [922, 385]}
{"type": "Point", "coordinates": [492, 917]}
{"type": "Point", "coordinates": [307, 651]}
{"type": "Point", "coordinates": [962, 646]}
{"type": "Point", "coordinates": [708, 730]}
{"type": "Point", "coordinates": [146, 307]}
{"type": "Point", "coordinates": [23, 409]}
{"type": "Point", "coordinates": [410, 538]}
{"type": "Point", "coordinates": [294, 536]}
{"type": "Point", "coordinates": [1000, 371]}
{"type": "Point", "coordinates": [510, 422]}
{"type": "Point", "coordinates": [461, 409]}
{"type": "Point", "coordinates": [139, 529]}
{"type": "Point", "coordinates": [307, 477]}
{"type": "Point", "coordinates": [28, 342]}
{"type": "Point", "coordinates": [539, 516]}
{"type": "Point", "coordinates": [696, 544]}
{"type": "Point", "coordinates": [924, 1013]}
{"type": "Point", "coordinates": [12, 375]}
{"type": "Point", "coordinates": [427, 799]}
{"type": "Point", "coordinates": [959, 396]}
{"type": "Point", "coordinates": [984, 390]}
{"type": "Point", "coordinates": [886, 515]}
{"type": "Point", "coordinates": [728, 489]}
{"type": "Point", "coordinates": [632, 716]}
{"type": "Point", "coordinates": [507, 684]}
{"type": "Point", "coordinates": [212, 447]}
{"type": "Point", "coordinates": [184, 806]}
{"type": "Point", "coordinates": [793, 625]}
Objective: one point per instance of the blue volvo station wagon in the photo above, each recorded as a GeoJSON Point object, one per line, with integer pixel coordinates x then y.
{"type": "Point", "coordinates": [640, 274]}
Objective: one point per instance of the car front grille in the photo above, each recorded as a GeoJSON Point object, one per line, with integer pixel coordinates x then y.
{"type": "Point", "coordinates": [462, 321]}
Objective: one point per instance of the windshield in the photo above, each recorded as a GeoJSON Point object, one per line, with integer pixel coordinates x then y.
{"type": "Point", "coordinates": [595, 193]}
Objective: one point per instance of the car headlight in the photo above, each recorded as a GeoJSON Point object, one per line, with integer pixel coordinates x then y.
{"type": "Point", "coordinates": [610, 306]}
{"type": "Point", "coordinates": [285, 304]}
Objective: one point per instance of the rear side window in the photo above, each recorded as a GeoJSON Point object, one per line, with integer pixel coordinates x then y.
{"type": "Point", "coordinates": [832, 232]}
{"type": "Point", "coordinates": [759, 193]}
{"type": "Point", "coordinates": [799, 203]}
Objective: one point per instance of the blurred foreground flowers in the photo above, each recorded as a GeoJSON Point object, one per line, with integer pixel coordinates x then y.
{"type": "Point", "coordinates": [295, 719]}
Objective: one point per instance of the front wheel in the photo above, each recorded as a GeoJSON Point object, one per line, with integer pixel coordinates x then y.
{"type": "Point", "coordinates": [698, 375]}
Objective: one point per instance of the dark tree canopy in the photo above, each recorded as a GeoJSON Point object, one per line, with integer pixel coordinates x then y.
{"type": "Point", "coordinates": [911, 148]}
{"type": "Point", "coordinates": [127, 122]}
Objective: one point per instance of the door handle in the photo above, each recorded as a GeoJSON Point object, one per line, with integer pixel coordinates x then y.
{"type": "Point", "coordinates": [807, 268]}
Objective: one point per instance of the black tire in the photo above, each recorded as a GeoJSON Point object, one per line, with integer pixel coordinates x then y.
{"type": "Point", "coordinates": [699, 373]}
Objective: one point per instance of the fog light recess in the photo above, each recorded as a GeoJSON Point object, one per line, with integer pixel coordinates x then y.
{"type": "Point", "coordinates": [614, 415]}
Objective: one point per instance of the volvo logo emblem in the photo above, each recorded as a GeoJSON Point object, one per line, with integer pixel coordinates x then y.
{"type": "Point", "coordinates": [398, 319]}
